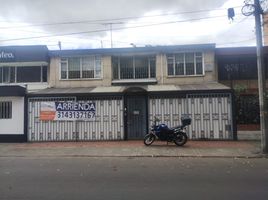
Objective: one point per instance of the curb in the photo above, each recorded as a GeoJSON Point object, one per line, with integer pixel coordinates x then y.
{"type": "Point", "coordinates": [137, 156]}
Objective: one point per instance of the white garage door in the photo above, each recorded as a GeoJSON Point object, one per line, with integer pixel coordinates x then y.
{"type": "Point", "coordinates": [211, 114]}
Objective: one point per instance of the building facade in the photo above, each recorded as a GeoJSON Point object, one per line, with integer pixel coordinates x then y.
{"type": "Point", "coordinates": [22, 69]}
{"type": "Point", "coordinates": [114, 94]}
{"type": "Point", "coordinates": [128, 87]}
{"type": "Point", "coordinates": [238, 69]}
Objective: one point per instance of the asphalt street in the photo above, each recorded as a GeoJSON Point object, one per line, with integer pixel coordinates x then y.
{"type": "Point", "coordinates": [133, 178]}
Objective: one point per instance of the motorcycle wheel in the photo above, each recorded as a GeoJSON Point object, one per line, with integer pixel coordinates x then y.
{"type": "Point", "coordinates": [180, 139]}
{"type": "Point", "coordinates": [149, 139]}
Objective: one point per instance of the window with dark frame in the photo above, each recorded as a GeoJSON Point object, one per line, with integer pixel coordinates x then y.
{"type": "Point", "coordinates": [5, 110]}
{"type": "Point", "coordinates": [44, 74]}
{"type": "Point", "coordinates": [28, 74]}
{"type": "Point", "coordinates": [237, 68]}
{"type": "Point", "coordinates": [25, 74]}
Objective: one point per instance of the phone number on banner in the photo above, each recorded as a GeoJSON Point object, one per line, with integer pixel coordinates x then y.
{"type": "Point", "coordinates": [73, 115]}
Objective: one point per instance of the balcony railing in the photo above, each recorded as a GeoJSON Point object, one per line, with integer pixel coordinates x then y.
{"type": "Point", "coordinates": [137, 73]}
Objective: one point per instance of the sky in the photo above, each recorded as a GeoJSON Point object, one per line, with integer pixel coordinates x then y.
{"type": "Point", "coordinates": [123, 23]}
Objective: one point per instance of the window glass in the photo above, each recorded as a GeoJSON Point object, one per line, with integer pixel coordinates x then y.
{"type": "Point", "coordinates": [141, 67]}
{"type": "Point", "coordinates": [115, 64]}
{"type": "Point", "coordinates": [6, 110]}
{"type": "Point", "coordinates": [12, 71]}
{"type": "Point", "coordinates": [152, 66]}
{"type": "Point", "coordinates": [198, 54]}
{"type": "Point", "coordinates": [179, 64]}
{"type": "Point", "coordinates": [240, 68]}
{"type": "Point", "coordinates": [6, 75]}
{"type": "Point", "coordinates": [81, 67]}
{"type": "Point", "coordinates": [88, 67]}
{"type": "Point", "coordinates": [199, 63]}
{"type": "Point", "coordinates": [44, 74]}
{"type": "Point", "coordinates": [185, 64]}
{"type": "Point", "coordinates": [170, 62]}
{"type": "Point", "coordinates": [130, 67]}
{"type": "Point", "coordinates": [64, 68]}
{"type": "Point", "coordinates": [98, 67]}
{"type": "Point", "coordinates": [126, 68]}
{"type": "Point", "coordinates": [28, 74]}
{"type": "Point", "coordinates": [74, 68]}
{"type": "Point", "coordinates": [1, 74]}
{"type": "Point", "coordinates": [189, 63]}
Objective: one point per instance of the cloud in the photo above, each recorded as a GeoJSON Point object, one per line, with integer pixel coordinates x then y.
{"type": "Point", "coordinates": [24, 15]}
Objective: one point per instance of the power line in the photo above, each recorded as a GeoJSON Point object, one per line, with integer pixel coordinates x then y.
{"type": "Point", "coordinates": [253, 38]}
{"type": "Point", "coordinates": [235, 42]}
{"type": "Point", "coordinates": [121, 28]}
{"type": "Point", "coordinates": [99, 21]}
{"type": "Point", "coordinates": [242, 20]}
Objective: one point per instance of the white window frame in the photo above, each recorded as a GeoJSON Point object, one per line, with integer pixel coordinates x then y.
{"type": "Point", "coordinates": [81, 69]}
{"type": "Point", "coordinates": [184, 64]}
{"type": "Point", "coordinates": [148, 57]}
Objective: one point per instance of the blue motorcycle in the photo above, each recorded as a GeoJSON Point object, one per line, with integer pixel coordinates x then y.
{"type": "Point", "coordinates": [162, 132]}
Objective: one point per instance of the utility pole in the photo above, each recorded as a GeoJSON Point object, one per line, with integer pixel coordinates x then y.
{"type": "Point", "coordinates": [111, 30]}
{"type": "Point", "coordinates": [111, 34]}
{"type": "Point", "coordinates": [257, 11]}
{"type": "Point", "coordinates": [261, 79]}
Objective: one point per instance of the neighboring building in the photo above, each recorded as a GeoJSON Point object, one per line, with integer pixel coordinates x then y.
{"type": "Point", "coordinates": [22, 69]}
{"type": "Point", "coordinates": [238, 70]}
{"type": "Point", "coordinates": [265, 29]}
{"type": "Point", "coordinates": [113, 94]}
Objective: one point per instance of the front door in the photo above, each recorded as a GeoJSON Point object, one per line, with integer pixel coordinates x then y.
{"type": "Point", "coordinates": [136, 117]}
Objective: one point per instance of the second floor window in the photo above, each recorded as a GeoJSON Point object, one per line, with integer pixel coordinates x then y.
{"type": "Point", "coordinates": [237, 68]}
{"type": "Point", "coordinates": [81, 67]}
{"type": "Point", "coordinates": [183, 64]}
{"type": "Point", "coordinates": [25, 74]}
{"type": "Point", "coordinates": [133, 67]}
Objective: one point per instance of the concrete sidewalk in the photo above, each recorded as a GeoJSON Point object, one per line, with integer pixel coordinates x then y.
{"type": "Point", "coordinates": [224, 149]}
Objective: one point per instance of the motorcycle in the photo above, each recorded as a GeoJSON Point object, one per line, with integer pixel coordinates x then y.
{"type": "Point", "coordinates": [162, 132]}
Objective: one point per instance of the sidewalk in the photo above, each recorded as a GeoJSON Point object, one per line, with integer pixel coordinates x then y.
{"type": "Point", "coordinates": [224, 149]}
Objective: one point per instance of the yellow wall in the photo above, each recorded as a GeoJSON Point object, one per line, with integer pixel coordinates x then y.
{"type": "Point", "coordinates": [161, 73]}
{"type": "Point", "coordinates": [209, 76]}
{"type": "Point", "coordinates": [56, 82]}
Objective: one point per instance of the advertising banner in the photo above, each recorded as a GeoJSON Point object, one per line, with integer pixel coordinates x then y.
{"type": "Point", "coordinates": [69, 111]}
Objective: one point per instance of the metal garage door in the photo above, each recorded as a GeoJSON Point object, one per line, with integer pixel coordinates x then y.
{"type": "Point", "coordinates": [107, 125]}
{"type": "Point", "coordinates": [211, 114]}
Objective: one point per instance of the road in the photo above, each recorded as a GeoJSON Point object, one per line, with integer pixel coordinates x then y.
{"type": "Point", "coordinates": [132, 178]}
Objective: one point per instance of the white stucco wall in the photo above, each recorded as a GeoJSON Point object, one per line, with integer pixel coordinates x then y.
{"type": "Point", "coordinates": [15, 125]}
